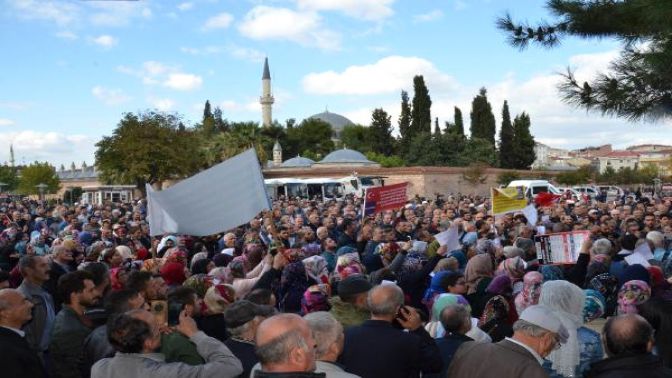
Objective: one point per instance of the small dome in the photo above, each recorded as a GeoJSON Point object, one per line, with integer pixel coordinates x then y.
{"type": "Point", "coordinates": [346, 156]}
{"type": "Point", "coordinates": [297, 162]}
{"type": "Point", "coordinates": [276, 146]}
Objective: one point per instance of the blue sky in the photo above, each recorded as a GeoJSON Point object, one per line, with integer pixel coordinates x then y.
{"type": "Point", "coordinates": [71, 68]}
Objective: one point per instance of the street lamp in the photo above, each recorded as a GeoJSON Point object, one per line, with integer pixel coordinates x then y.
{"type": "Point", "coordinates": [41, 187]}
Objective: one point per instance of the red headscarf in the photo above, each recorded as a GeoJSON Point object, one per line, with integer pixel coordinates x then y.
{"type": "Point", "coordinates": [173, 273]}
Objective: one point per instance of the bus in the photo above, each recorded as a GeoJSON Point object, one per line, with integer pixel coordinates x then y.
{"type": "Point", "coordinates": [323, 187]}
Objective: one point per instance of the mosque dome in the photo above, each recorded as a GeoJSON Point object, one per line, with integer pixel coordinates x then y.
{"type": "Point", "coordinates": [337, 122]}
{"type": "Point", "coordinates": [297, 162]}
{"type": "Point", "coordinates": [346, 156]}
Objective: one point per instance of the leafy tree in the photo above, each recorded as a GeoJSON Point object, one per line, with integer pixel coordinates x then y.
{"type": "Point", "coordinates": [386, 161]}
{"type": "Point", "coordinates": [310, 135]}
{"type": "Point", "coordinates": [36, 174]}
{"type": "Point", "coordinates": [221, 125]}
{"type": "Point", "coordinates": [357, 137]}
{"type": "Point", "coordinates": [459, 123]}
{"type": "Point", "coordinates": [207, 111]}
{"type": "Point", "coordinates": [405, 122]}
{"type": "Point", "coordinates": [523, 146]}
{"type": "Point", "coordinates": [507, 158]}
{"type": "Point", "coordinates": [9, 178]}
{"type": "Point", "coordinates": [482, 119]}
{"type": "Point", "coordinates": [639, 84]}
{"type": "Point", "coordinates": [380, 132]}
{"type": "Point", "coordinates": [479, 150]}
{"type": "Point", "coordinates": [506, 177]}
{"type": "Point", "coordinates": [72, 195]}
{"type": "Point", "coordinates": [424, 150]}
{"type": "Point", "coordinates": [608, 175]}
{"type": "Point", "coordinates": [289, 123]}
{"type": "Point", "coordinates": [421, 118]}
{"type": "Point", "coordinates": [148, 147]}
{"type": "Point", "coordinates": [243, 136]}
{"type": "Point", "coordinates": [437, 130]}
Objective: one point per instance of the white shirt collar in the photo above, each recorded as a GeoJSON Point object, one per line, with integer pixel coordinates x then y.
{"type": "Point", "coordinates": [18, 331]}
{"type": "Point", "coordinates": [534, 353]}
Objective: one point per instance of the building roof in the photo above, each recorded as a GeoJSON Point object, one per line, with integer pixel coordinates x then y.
{"type": "Point", "coordinates": [337, 121]}
{"type": "Point", "coordinates": [345, 156]}
{"type": "Point", "coordinates": [78, 174]}
{"type": "Point", "coordinates": [267, 72]}
{"type": "Point", "coordinates": [649, 147]}
{"type": "Point", "coordinates": [620, 154]}
{"type": "Point", "coordinates": [297, 162]}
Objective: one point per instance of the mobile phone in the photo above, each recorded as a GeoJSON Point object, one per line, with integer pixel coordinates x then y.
{"type": "Point", "coordinates": [174, 311]}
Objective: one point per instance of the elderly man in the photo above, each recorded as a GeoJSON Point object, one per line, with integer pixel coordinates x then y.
{"type": "Point", "coordinates": [456, 321]}
{"type": "Point", "coordinates": [378, 349]}
{"type": "Point", "coordinates": [328, 335]}
{"type": "Point", "coordinates": [135, 335]}
{"type": "Point", "coordinates": [61, 264]}
{"type": "Point", "coordinates": [285, 348]}
{"type": "Point", "coordinates": [349, 307]}
{"type": "Point", "coordinates": [536, 334]}
{"type": "Point", "coordinates": [242, 318]}
{"type": "Point", "coordinates": [17, 358]}
{"type": "Point", "coordinates": [35, 272]}
{"type": "Point", "coordinates": [628, 340]}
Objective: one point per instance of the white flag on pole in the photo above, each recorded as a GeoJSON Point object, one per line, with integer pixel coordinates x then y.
{"type": "Point", "coordinates": [222, 197]}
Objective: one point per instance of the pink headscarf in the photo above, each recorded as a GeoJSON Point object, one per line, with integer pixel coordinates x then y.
{"type": "Point", "coordinates": [529, 296]}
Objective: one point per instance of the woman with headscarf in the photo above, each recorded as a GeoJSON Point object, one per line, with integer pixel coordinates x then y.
{"type": "Point", "coordinates": [584, 345]}
{"type": "Point", "coordinates": [434, 326]}
{"type": "Point", "coordinates": [293, 284]}
{"type": "Point", "coordinates": [244, 280]}
{"type": "Point", "coordinates": [660, 288]}
{"type": "Point", "coordinates": [499, 313]}
{"type": "Point", "coordinates": [442, 282]}
{"type": "Point", "coordinates": [529, 295]}
{"type": "Point", "coordinates": [635, 272]}
{"type": "Point", "coordinates": [478, 274]}
{"type": "Point", "coordinates": [217, 298]}
{"type": "Point", "coordinates": [594, 307]}
{"type": "Point", "coordinates": [607, 285]}
{"type": "Point", "coordinates": [316, 298]}
{"type": "Point", "coordinates": [632, 294]}
{"type": "Point", "coordinates": [514, 268]}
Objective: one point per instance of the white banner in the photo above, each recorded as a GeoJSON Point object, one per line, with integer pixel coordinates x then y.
{"type": "Point", "coordinates": [220, 198]}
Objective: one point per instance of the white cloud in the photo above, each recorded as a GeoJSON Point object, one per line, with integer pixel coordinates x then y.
{"type": "Point", "coordinates": [61, 13]}
{"type": "Point", "coordinates": [56, 148]}
{"type": "Point", "coordinates": [162, 104]}
{"type": "Point", "coordinates": [207, 50]}
{"type": "Point", "coordinates": [67, 35]}
{"type": "Point", "coordinates": [388, 75]}
{"type": "Point", "coordinates": [220, 21]}
{"type": "Point", "coordinates": [108, 96]}
{"type": "Point", "coordinates": [302, 27]}
{"type": "Point", "coordinates": [117, 13]}
{"type": "Point", "coordinates": [185, 6]}
{"type": "Point", "coordinates": [370, 10]}
{"type": "Point", "coordinates": [6, 122]}
{"type": "Point", "coordinates": [183, 81]}
{"type": "Point", "coordinates": [106, 41]}
{"type": "Point", "coordinates": [246, 53]}
{"type": "Point", "coordinates": [434, 15]}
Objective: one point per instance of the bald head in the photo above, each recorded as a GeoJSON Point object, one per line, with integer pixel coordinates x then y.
{"type": "Point", "coordinates": [285, 344]}
{"type": "Point", "coordinates": [278, 325]}
{"type": "Point", "coordinates": [627, 334]}
{"type": "Point", "coordinates": [15, 309]}
{"type": "Point", "coordinates": [385, 300]}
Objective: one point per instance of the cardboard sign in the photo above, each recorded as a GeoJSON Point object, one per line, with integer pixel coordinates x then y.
{"type": "Point", "coordinates": [507, 200]}
{"type": "Point", "coordinates": [560, 248]}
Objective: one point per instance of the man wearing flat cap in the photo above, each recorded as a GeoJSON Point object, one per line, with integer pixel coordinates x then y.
{"type": "Point", "coordinates": [242, 319]}
{"type": "Point", "coordinates": [349, 308]}
{"type": "Point", "coordinates": [536, 334]}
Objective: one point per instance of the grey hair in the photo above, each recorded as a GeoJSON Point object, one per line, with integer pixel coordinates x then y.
{"type": "Point", "coordinates": [601, 247]}
{"type": "Point", "coordinates": [326, 331]}
{"type": "Point", "coordinates": [389, 305]}
{"type": "Point", "coordinates": [4, 303]}
{"type": "Point", "coordinates": [454, 317]}
{"type": "Point", "coordinates": [27, 261]}
{"type": "Point", "coordinates": [240, 330]}
{"type": "Point", "coordinates": [529, 329]}
{"type": "Point", "coordinates": [656, 237]}
{"type": "Point", "coordinates": [278, 349]}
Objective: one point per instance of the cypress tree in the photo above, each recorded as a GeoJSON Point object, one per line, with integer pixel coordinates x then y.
{"type": "Point", "coordinates": [380, 132]}
{"type": "Point", "coordinates": [523, 142]}
{"type": "Point", "coordinates": [506, 139]}
{"type": "Point", "coordinates": [421, 118]}
{"type": "Point", "coordinates": [437, 130]}
{"type": "Point", "coordinates": [207, 111]}
{"type": "Point", "coordinates": [405, 123]}
{"type": "Point", "coordinates": [482, 120]}
{"type": "Point", "coordinates": [459, 123]}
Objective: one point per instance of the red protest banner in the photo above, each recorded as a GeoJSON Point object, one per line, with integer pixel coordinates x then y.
{"type": "Point", "coordinates": [384, 198]}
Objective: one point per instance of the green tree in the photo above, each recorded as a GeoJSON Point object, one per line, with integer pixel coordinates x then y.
{"type": "Point", "coordinates": [357, 137]}
{"type": "Point", "coordinates": [72, 195]}
{"type": "Point", "coordinates": [479, 150]}
{"type": "Point", "coordinates": [310, 135]}
{"type": "Point", "coordinates": [523, 146]}
{"type": "Point", "coordinates": [9, 178]}
{"type": "Point", "coordinates": [507, 158]}
{"type": "Point", "coordinates": [221, 125]}
{"type": "Point", "coordinates": [639, 82]}
{"type": "Point", "coordinates": [421, 118]}
{"type": "Point", "coordinates": [405, 122]}
{"type": "Point", "coordinates": [36, 174]}
{"type": "Point", "coordinates": [506, 177]}
{"type": "Point", "coordinates": [380, 132]}
{"type": "Point", "coordinates": [424, 150]}
{"type": "Point", "coordinates": [459, 123]}
{"type": "Point", "coordinates": [148, 147]}
{"type": "Point", "coordinates": [386, 161]}
{"type": "Point", "coordinates": [243, 136]}
{"type": "Point", "coordinates": [482, 120]}
{"type": "Point", "coordinates": [207, 111]}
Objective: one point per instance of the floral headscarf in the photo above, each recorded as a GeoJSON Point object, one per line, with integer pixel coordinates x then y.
{"type": "Point", "coordinates": [315, 298]}
{"type": "Point", "coordinates": [607, 285]}
{"type": "Point", "coordinates": [316, 268]}
{"type": "Point", "coordinates": [412, 263]}
{"type": "Point", "coordinates": [513, 267]}
{"type": "Point", "coordinates": [632, 294]}
{"type": "Point", "coordinates": [595, 306]}
{"type": "Point", "coordinates": [478, 267]}
{"type": "Point", "coordinates": [529, 296]}
{"type": "Point", "coordinates": [173, 273]}
{"type": "Point", "coordinates": [388, 251]}
{"type": "Point", "coordinates": [115, 281]}
{"type": "Point", "coordinates": [221, 275]}
{"type": "Point", "coordinates": [200, 283]}
{"type": "Point", "coordinates": [217, 298]}
{"type": "Point", "coordinates": [347, 265]}
{"type": "Point", "coordinates": [496, 309]}
{"type": "Point", "coordinates": [176, 255]}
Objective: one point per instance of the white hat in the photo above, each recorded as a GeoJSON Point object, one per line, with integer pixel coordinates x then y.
{"type": "Point", "coordinates": [228, 251]}
{"type": "Point", "coordinates": [543, 317]}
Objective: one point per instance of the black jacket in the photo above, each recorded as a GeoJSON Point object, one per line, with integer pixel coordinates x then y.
{"type": "Point", "coordinates": [17, 360]}
{"type": "Point", "coordinates": [629, 366]}
{"type": "Point", "coordinates": [448, 345]}
{"type": "Point", "coordinates": [377, 349]}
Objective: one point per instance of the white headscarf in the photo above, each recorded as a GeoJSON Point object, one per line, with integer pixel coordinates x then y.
{"type": "Point", "coordinates": [567, 300]}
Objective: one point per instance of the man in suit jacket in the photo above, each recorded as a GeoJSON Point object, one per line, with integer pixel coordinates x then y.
{"type": "Point", "coordinates": [378, 349]}
{"type": "Point", "coordinates": [536, 334]}
{"type": "Point", "coordinates": [35, 271]}
{"type": "Point", "coordinates": [16, 359]}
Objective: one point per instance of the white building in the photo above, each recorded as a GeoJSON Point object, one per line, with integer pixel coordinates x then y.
{"type": "Point", "coordinates": [616, 160]}
{"type": "Point", "coordinates": [546, 155]}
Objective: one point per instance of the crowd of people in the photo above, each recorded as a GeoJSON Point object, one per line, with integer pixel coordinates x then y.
{"type": "Point", "coordinates": [313, 288]}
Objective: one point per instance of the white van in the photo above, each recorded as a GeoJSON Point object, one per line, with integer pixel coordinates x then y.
{"type": "Point", "coordinates": [534, 187]}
